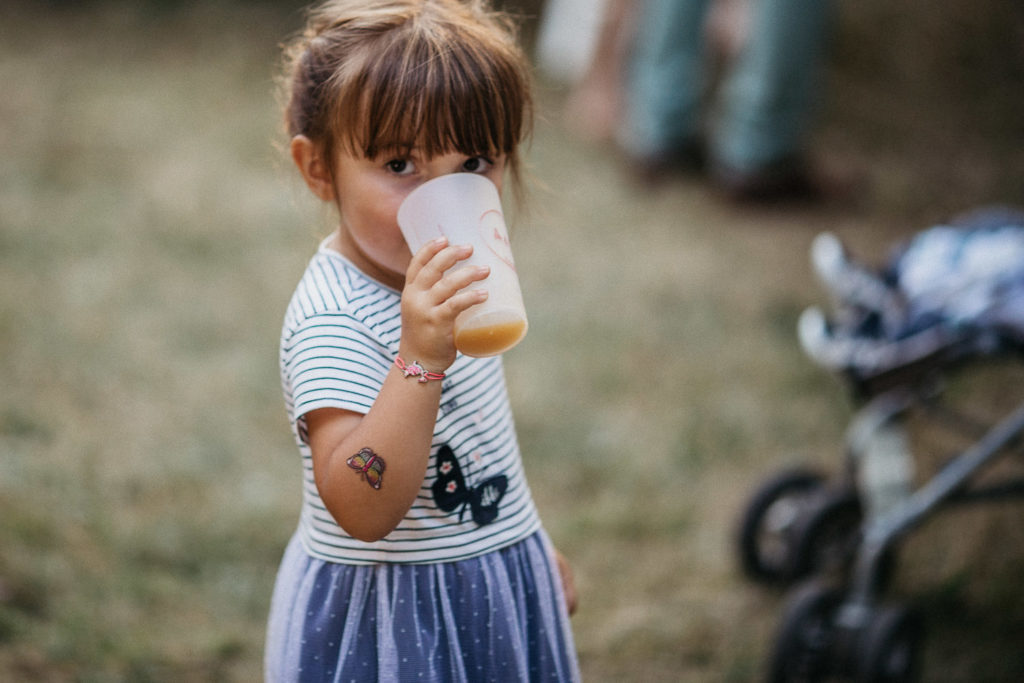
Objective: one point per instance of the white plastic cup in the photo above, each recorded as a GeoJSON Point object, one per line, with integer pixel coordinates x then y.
{"type": "Point", "coordinates": [466, 208]}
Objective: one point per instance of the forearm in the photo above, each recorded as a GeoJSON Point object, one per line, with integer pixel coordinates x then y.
{"type": "Point", "coordinates": [398, 429]}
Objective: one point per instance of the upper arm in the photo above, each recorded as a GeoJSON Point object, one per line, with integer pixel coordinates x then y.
{"type": "Point", "coordinates": [328, 428]}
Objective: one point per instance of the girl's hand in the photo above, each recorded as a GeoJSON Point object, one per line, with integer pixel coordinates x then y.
{"type": "Point", "coordinates": [431, 301]}
{"type": "Point", "coordinates": [568, 583]}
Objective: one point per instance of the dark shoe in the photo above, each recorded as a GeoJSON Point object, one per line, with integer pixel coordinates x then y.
{"type": "Point", "coordinates": [786, 180]}
{"type": "Point", "coordinates": [687, 159]}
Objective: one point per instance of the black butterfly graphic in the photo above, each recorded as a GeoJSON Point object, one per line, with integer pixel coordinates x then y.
{"type": "Point", "coordinates": [450, 490]}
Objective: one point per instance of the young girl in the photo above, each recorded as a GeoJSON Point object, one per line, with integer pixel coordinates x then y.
{"type": "Point", "coordinates": [419, 553]}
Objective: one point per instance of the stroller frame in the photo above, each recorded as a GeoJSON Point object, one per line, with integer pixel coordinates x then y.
{"type": "Point", "coordinates": [948, 486]}
{"type": "Point", "coordinates": [841, 629]}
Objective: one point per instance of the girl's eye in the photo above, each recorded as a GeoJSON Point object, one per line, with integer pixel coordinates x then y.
{"type": "Point", "coordinates": [400, 166]}
{"type": "Point", "coordinates": [477, 165]}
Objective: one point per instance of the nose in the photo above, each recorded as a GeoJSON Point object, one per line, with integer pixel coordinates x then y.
{"type": "Point", "coordinates": [444, 164]}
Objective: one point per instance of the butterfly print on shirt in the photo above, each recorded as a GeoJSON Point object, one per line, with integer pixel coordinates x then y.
{"type": "Point", "coordinates": [450, 490]}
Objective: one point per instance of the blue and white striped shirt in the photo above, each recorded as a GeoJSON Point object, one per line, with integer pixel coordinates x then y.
{"type": "Point", "coordinates": [339, 340]}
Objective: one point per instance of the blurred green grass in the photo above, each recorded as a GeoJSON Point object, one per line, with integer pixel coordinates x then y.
{"type": "Point", "coordinates": [151, 234]}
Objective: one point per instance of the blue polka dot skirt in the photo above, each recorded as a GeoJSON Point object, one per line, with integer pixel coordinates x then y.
{"type": "Point", "coordinates": [497, 617]}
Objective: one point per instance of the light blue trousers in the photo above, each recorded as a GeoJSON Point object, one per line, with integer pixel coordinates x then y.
{"type": "Point", "coordinates": [766, 99]}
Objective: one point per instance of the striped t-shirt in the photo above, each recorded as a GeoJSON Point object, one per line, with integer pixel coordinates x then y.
{"type": "Point", "coordinates": [339, 340]}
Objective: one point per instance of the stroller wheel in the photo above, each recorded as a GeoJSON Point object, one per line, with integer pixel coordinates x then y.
{"type": "Point", "coordinates": [889, 647]}
{"type": "Point", "coordinates": [827, 536]}
{"type": "Point", "coordinates": [768, 523]}
{"type": "Point", "coordinates": [806, 636]}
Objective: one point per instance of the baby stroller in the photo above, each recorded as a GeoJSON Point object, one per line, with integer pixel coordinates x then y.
{"type": "Point", "coordinates": [951, 296]}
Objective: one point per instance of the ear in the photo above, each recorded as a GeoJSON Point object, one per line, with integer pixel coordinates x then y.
{"type": "Point", "coordinates": [308, 158]}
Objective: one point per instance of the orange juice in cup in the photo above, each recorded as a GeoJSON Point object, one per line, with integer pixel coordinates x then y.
{"type": "Point", "coordinates": [489, 336]}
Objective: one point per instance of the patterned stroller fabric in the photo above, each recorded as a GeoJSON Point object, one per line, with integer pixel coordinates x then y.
{"type": "Point", "coordinates": [958, 286]}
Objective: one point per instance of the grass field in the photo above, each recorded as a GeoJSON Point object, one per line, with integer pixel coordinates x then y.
{"type": "Point", "coordinates": [151, 234]}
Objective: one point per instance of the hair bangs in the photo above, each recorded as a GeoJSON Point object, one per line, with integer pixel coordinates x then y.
{"type": "Point", "coordinates": [438, 94]}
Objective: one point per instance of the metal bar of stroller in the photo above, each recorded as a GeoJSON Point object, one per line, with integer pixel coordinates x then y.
{"type": "Point", "coordinates": [945, 484]}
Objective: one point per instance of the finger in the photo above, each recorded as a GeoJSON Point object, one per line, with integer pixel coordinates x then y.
{"type": "Point", "coordinates": [424, 255]}
{"type": "Point", "coordinates": [442, 261]}
{"type": "Point", "coordinates": [466, 299]}
{"type": "Point", "coordinates": [457, 279]}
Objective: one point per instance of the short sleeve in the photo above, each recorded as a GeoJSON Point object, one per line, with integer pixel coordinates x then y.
{"type": "Point", "coordinates": [332, 361]}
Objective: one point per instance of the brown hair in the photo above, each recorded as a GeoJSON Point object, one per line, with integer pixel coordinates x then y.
{"type": "Point", "coordinates": [368, 76]}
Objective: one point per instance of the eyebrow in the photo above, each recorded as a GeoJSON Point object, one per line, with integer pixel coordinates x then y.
{"type": "Point", "coordinates": [394, 148]}
{"type": "Point", "coordinates": [404, 150]}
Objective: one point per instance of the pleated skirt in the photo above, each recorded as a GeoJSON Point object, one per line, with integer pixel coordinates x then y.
{"type": "Point", "coordinates": [497, 617]}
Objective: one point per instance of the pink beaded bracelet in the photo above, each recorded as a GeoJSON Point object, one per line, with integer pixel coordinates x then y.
{"type": "Point", "coordinates": [414, 369]}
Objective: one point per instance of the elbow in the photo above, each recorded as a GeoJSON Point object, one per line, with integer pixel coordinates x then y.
{"type": "Point", "coordinates": [368, 528]}
{"type": "Point", "coordinates": [367, 534]}
{"type": "Point", "coordinates": [362, 520]}
{"type": "Point", "coordinates": [365, 514]}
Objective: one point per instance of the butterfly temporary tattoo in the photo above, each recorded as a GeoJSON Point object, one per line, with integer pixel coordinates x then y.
{"type": "Point", "coordinates": [450, 490]}
{"type": "Point", "coordinates": [370, 465]}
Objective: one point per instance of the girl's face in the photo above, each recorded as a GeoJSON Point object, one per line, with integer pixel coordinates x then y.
{"type": "Point", "coordinates": [368, 193]}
